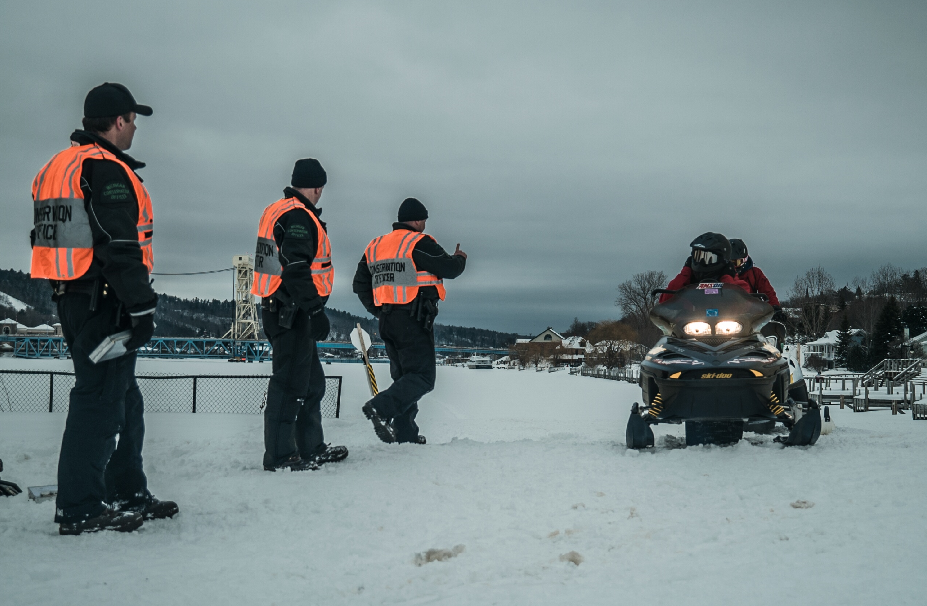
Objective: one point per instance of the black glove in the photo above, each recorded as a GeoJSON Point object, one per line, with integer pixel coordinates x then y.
{"type": "Point", "coordinates": [9, 489]}
{"type": "Point", "coordinates": [729, 270]}
{"type": "Point", "coordinates": [142, 330]}
{"type": "Point", "coordinates": [779, 316]}
{"type": "Point", "coordinates": [320, 326]}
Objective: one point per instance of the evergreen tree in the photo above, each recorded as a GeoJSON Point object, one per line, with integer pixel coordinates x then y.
{"type": "Point", "coordinates": [857, 359]}
{"type": "Point", "coordinates": [844, 343]}
{"type": "Point", "coordinates": [915, 318]}
{"type": "Point", "coordinates": [888, 332]}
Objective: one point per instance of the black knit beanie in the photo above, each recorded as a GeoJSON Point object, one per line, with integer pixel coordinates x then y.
{"type": "Point", "coordinates": [308, 173]}
{"type": "Point", "coordinates": [412, 210]}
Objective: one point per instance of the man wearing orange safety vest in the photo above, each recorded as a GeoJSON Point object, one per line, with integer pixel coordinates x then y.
{"type": "Point", "coordinates": [400, 281]}
{"type": "Point", "coordinates": [92, 239]}
{"type": "Point", "coordinates": [293, 275]}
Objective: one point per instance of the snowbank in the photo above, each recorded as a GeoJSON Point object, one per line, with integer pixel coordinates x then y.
{"type": "Point", "coordinates": [524, 494]}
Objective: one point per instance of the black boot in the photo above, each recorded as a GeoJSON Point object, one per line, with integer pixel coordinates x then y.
{"type": "Point", "coordinates": [380, 426]}
{"type": "Point", "coordinates": [148, 506]}
{"type": "Point", "coordinates": [330, 454]}
{"type": "Point", "coordinates": [120, 521]}
{"type": "Point", "coordinates": [294, 463]}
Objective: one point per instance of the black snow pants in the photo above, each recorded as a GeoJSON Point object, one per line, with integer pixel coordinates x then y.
{"type": "Point", "coordinates": [411, 351]}
{"type": "Point", "coordinates": [94, 467]}
{"type": "Point", "coordinates": [293, 416]}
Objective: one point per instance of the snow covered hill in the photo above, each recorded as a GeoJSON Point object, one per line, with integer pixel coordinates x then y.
{"type": "Point", "coordinates": [525, 489]}
{"type": "Point", "coordinates": [8, 301]}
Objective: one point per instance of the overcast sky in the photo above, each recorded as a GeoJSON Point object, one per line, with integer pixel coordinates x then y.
{"type": "Point", "coordinates": [566, 146]}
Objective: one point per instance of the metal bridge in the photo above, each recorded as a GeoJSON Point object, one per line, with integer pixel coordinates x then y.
{"type": "Point", "coordinates": [166, 347]}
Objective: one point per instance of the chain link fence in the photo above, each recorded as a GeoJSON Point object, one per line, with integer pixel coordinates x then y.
{"type": "Point", "coordinates": [37, 391]}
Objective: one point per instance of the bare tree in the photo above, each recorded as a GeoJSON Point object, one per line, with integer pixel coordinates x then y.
{"type": "Point", "coordinates": [865, 311]}
{"type": "Point", "coordinates": [519, 354]}
{"type": "Point", "coordinates": [812, 293]}
{"type": "Point", "coordinates": [635, 301]}
{"type": "Point", "coordinates": [611, 341]}
{"type": "Point", "coordinates": [885, 280]}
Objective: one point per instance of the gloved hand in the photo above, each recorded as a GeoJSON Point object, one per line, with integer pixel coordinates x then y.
{"type": "Point", "coordinates": [320, 326]}
{"type": "Point", "coordinates": [142, 330]}
{"type": "Point", "coordinates": [779, 316]}
{"type": "Point", "coordinates": [9, 489]}
{"type": "Point", "coordinates": [728, 270]}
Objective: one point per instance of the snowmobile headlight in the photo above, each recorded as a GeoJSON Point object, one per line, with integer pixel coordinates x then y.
{"type": "Point", "coordinates": [728, 328]}
{"type": "Point", "coordinates": [697, 329]}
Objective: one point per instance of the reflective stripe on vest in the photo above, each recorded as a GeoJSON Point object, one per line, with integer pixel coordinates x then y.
{"type": "Point", "coordinates": [63, 248]}
{"type": "Point", "coordinates": [267, 267]}
{"type": "Point", "coordinates": [395, 278]}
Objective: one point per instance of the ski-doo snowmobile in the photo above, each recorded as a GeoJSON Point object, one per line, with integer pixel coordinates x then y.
{"type": "Point", "coordinates": [716, 371]}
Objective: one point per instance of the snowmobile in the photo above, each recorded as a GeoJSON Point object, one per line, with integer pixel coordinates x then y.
{"type": "Point", "coordinates": [719, 370]}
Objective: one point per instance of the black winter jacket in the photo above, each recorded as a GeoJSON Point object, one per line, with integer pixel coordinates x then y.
{"type": "Point", "coordinates": [427, 256]}
{"type": "Point", "coordinates": [117, 255]}
{"type": "Point", "coordinates": [297, 239]}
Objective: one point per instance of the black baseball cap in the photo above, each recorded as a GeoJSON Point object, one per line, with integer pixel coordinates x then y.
{"type": "Point", "coordinates": [111, 99]}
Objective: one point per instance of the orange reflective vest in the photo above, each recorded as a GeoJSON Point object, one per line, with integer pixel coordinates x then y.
{"type": "Point", "coordinates": [267, 267]}
{"type": "Point", "coordinates": [63, 248]}
{"type": "Point", "coordinates": [395, 278]}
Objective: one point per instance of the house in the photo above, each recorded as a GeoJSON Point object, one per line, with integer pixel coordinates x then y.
{"type": "Point", "coordinates": [42, 330]}
{"type": "Point", "coordinates": [826, 347]}
{"type": "Point", "coordinates": [11, 327]}
{"type": "Point", "coordinates": [553, 346]}
{"type": "Point", "coordinates": [921, 340]}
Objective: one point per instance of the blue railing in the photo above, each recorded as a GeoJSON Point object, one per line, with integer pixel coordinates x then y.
{"type": "Point", "coordinates": [165, 347]}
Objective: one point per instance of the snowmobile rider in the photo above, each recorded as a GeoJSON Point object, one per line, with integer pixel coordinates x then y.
{"type": "Point", "coordinates": [400, 281]}
{"type": "Point", "coordinates": [93, 241]}
{"type": "Point", "coordinates": [710, 261]}
{"type": "Point", "coordinates": [293, 275]}
{"type": "Point", "coordinates": [754, 276]}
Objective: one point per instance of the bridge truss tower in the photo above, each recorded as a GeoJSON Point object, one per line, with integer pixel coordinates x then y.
{"type": "Point", "coordinates": [245, 326]}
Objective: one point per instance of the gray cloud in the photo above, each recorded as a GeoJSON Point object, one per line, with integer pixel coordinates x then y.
{"type": "Point", "coordinates": [565, 147]}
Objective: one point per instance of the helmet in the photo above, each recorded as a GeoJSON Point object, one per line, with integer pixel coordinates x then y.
{"type": "Point", "coordinates": [738, 252]}
{"type": "Point", "coordinates": [710, 253]}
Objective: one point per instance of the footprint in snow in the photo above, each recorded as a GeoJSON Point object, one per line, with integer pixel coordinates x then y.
{"type": "Point", "coordinates": [437, 555]}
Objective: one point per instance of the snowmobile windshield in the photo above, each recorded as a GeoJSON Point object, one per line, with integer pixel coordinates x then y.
{"type": "Point", "coordinates": [711, 310]}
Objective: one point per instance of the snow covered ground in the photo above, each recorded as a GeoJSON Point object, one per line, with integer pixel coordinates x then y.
{"type": "Point", "coordinates": [526, 472]}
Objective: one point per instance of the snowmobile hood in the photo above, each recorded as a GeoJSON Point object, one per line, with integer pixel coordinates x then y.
{"type": "Point", "coordinates": [711, 303]}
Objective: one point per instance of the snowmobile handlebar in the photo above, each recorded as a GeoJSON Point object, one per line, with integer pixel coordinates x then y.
{"type": "Point", "coordinates": [666, 291]}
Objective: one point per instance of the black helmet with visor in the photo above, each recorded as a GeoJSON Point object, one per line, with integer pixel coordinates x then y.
{"type": "Point", "coordinates": [738, 252]}
{"type": "Point", "coordinates": [711, 252]}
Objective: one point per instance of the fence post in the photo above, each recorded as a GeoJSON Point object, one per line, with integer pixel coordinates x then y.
{"type": "Point", "coordinates": [51, 392]}
{"type": "Point", "coordinates": [194, 395]}
{"type": "Point", "coordinates": [841, 401]}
